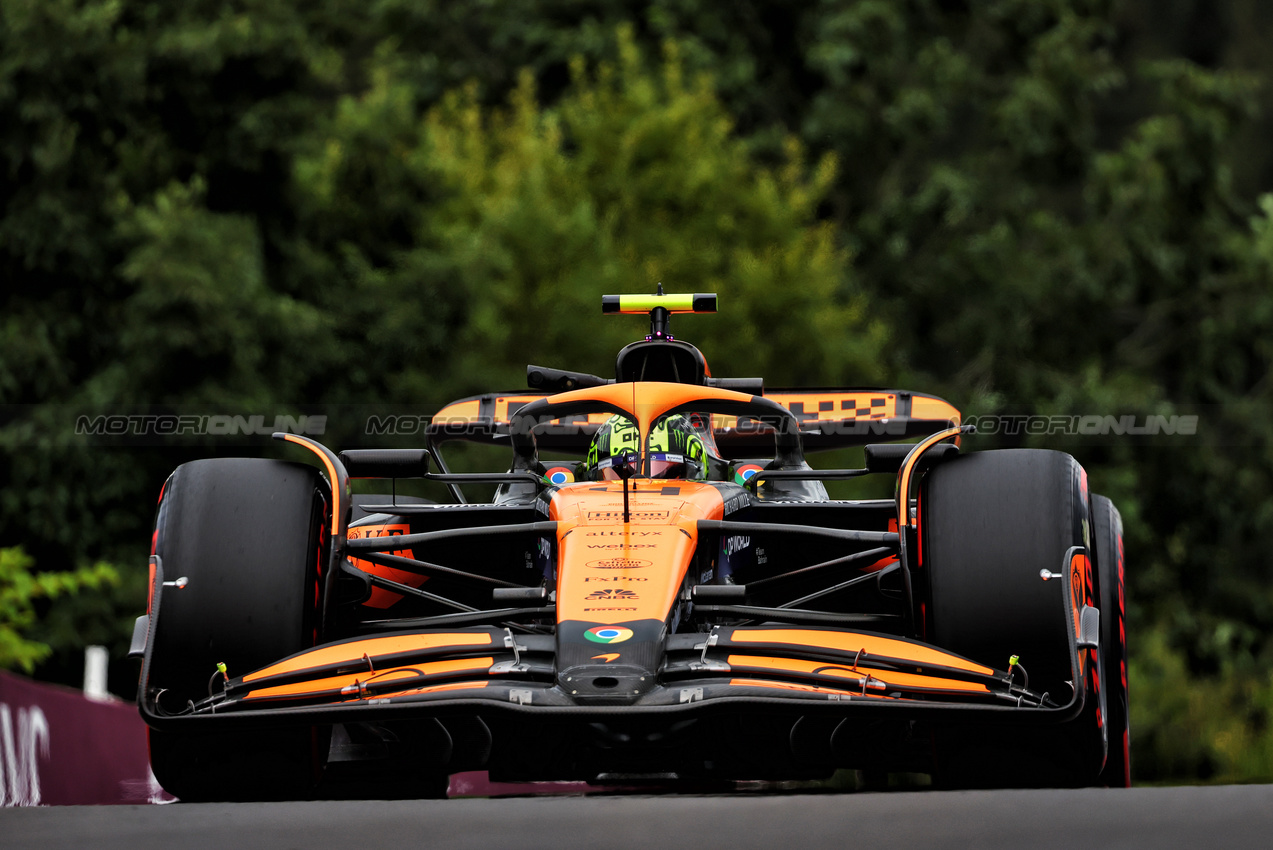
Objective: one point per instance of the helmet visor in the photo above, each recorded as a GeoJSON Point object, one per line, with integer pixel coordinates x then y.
{"type": "Point", "coordinates": [606, 467]}
{"type": "Point", "coordinates": [671, 465]}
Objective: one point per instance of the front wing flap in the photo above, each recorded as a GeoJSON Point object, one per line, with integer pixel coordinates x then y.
{"type": "Point", "coordinates": [429, 673]}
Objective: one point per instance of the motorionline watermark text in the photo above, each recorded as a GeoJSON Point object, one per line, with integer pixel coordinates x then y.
{"type": "Point", "coordinates": [196, 425]}
{"type": "Point", "coordinates": [411, 424]}
{"type": "Point", "coordinates": [132, 425]}
{"type": "Point", "coordinates": [1087, 425]}
{"type": "Point", "coordinates": [1084, 425]}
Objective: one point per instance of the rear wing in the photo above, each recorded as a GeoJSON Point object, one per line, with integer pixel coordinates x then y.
{"type": "Point", "coordinates": [829, 419]}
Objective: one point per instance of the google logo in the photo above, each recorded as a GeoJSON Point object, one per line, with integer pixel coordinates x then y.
{"type": "Point", "coordinates": [608, 634]}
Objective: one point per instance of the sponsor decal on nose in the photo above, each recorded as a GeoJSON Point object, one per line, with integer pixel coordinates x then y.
{"type": "Point", "coordinates": [608, 634]}
{"type": "Point", "coordinates": [626, 595]}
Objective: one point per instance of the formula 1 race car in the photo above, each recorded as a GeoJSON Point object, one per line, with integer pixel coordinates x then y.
{"type": "Point", "coordinates": [660, 591]}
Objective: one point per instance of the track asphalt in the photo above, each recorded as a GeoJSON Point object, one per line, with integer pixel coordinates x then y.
{"type": "Point", "coordinates": [1158, 818]}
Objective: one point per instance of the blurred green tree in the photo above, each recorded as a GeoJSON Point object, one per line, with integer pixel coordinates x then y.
{"type": "Point", "coordinates": [632, 178]}
{"type": "Point", "coordinates": [20, 589]}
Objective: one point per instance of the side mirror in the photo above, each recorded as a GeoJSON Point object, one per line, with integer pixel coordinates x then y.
{"type": "Point", "coordinates": [386, 463]}
{"type": "Point", "coordinates": [888, 457]}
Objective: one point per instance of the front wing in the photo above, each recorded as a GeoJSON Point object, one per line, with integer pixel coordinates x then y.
{"type": "Point", "coordinates": [733, 668]}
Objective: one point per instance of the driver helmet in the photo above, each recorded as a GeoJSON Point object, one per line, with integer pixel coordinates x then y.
{"type": "Point", "coordinates": [618, 437]}
{"type": "Point", "coordinates": [675, 449]}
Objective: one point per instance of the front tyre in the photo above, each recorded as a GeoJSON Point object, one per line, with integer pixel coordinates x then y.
{"type": "Point", "coordinates": [991, 522]}
{"type": "Point", "coordinates": [246, 535]}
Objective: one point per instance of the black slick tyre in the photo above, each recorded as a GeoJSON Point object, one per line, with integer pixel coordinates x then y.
{"type": "Point", "coordinates": [990, 523]}
{"type": "Point", "coordinates": [1107, 543]}
{"type": "Point", "coordinates": [245, 534]}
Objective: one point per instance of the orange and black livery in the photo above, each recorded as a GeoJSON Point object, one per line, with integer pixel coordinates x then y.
{"type": "Point", "coordinates": [660, 587]}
